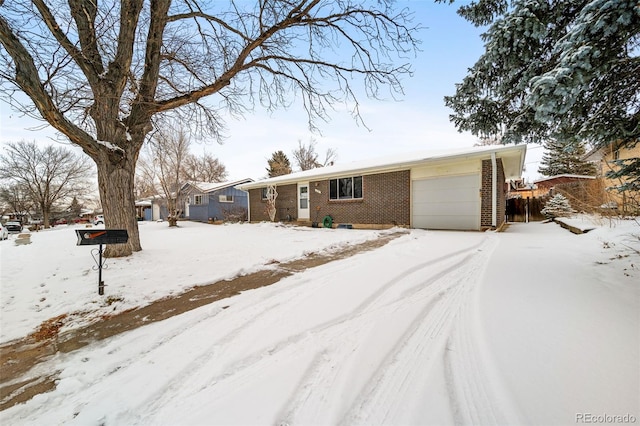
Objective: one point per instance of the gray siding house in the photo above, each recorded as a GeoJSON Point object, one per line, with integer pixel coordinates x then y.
{"type": "Point", "coordinates": [215, 201]}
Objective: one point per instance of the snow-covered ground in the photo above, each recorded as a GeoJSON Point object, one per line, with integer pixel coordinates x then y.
{"type": "Point", "coordinates": [52, 275]}
{"type": "Point", "coordinates": [534, 325]}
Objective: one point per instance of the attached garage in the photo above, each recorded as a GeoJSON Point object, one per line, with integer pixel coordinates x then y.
{"type": "Point", "coordinates": [451, 202]}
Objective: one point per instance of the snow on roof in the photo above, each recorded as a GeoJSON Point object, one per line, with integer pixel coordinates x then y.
{"type": "Point", "coordinates": [401, 161]}
{"type": "Point", "coordinates": [566, 175]}
{"type": "Point", "coordinates": [214, 186]}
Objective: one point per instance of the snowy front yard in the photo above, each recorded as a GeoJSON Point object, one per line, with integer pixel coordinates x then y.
{"type": "Point", "coordinates": [53, 275]}
{"type": "Point", "coordinates": [533, 325]}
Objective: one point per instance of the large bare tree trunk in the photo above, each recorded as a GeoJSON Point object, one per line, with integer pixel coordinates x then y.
{"type": "Point", "coordinates": [115, 183]}
{"type": "Point", "coordinates": [45, 216]}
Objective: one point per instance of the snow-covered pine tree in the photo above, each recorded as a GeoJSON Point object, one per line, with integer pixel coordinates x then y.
{"type": "Point", "coordinates": [565, 157]}
{"type": "Point", "coordinates": [557, 206]}
{"type": "Point", "coordinates": [566, 69]}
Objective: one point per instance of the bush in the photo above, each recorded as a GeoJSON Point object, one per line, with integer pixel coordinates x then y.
{"type": "Point", "coordinates": [557, 206]}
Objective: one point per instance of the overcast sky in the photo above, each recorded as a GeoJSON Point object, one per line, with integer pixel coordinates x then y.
{"type": "Point", "coordinates": [418, 122]}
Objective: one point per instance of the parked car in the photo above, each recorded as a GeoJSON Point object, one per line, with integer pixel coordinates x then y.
{"type": "Point", "coordinates": [13, 226]}
{"type": "Point", "coordinates": [98, 220]}
{"type": "Point", "coordinates": [4, 234]}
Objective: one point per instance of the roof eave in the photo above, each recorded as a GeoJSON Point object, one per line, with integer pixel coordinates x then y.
{"type": "Point", "coordinates": [515, 171]}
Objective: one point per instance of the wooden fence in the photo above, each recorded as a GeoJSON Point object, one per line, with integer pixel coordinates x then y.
{"type": "Point", "coordinates": [584, 196]}
{"type": "Point", "coordinates": [525, 209]}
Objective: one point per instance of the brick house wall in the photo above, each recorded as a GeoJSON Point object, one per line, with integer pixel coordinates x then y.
{"type": "Point", "coordinates": [286, 203]}
{"type": "Point", "coordinates": [486, 191]}
{"type": "Point", "coordinates": [385, 200]}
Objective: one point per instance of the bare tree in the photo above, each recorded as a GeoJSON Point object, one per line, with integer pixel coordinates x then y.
{"type": "Point", "coordinates": [15, 199]}
{"type": "Point", "coordinates": [306, 157]}
{"type": "Point", "coordinates": [145, 180]}
{"type": "Point", "coordinates": [206, 168]}
{"type": "Point", "coordinates": [102, 72]}
{"type": "Point", "coordinates": [50, 175]}
{"type": "Point", "coordinates": [168, 150]}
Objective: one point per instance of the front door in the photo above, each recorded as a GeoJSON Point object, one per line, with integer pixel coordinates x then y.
{"type": "Point", "coordinates": [303, 201]}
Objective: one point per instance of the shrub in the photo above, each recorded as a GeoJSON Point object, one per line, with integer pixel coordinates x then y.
{"type": "Point", "coordinates": [557, 206]}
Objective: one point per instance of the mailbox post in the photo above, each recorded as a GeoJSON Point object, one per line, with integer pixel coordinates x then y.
{"type": "Point", "coordinates": [100, 237]}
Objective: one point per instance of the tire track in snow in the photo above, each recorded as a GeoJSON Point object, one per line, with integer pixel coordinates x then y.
{"type": "Point", "coordinates": [200, 318]}
{"type": "Point", "coordinates": [474, 386]}
{"type": "Point", "coordinates": [247, 367]}
{"type": "Point", "coordinates": [300, 400]}
{"type": "Point", "coordinates": [207, 354]}
{"type": "Point", "coordinates": [411, 359]}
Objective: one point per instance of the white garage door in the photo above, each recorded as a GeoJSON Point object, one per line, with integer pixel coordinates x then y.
{"type": "Point", "coordinates": [447, 202]}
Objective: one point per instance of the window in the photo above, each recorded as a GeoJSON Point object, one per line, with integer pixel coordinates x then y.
{"type": "Point", "coordinates": [197, 200]}
{"type": "Point", "coordinates": [225, 198]}
{"type": "Point", "coordinates": [264, 193]}
{"type": "Point", "coordinates": [345, 188]}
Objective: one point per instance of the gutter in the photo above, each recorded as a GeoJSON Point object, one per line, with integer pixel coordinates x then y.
{"type": "Point", "coordinates": [366, 168]}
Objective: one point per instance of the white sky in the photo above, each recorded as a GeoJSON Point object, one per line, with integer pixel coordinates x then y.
{"type": "Point", "coordinates": [418, 122]}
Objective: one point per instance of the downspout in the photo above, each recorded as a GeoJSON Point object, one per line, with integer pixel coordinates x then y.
{"type": "Point", "coordinates": [494, 191]}
{"type": "Point", "coordinates": [248, 207]}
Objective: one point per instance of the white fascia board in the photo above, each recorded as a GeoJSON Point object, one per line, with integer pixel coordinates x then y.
{"type": "Point", "coordinates": [385, 165]}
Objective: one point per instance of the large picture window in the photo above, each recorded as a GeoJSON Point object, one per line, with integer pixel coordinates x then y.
{"type": "Point", "coordinates": [345, 188]}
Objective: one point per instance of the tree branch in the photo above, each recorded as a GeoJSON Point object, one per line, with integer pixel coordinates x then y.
{"type": "Point", "coordinates": [28, 80]}
{"type": "Point", "coordinates": [79, 58]}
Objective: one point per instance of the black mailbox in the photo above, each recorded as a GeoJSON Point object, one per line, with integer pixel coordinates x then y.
{"type": "Point", "coordinates": [99, 237]}
{"type": "Point", "coordinates": [102, 236]}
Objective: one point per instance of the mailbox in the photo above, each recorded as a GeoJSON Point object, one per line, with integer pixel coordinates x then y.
{"type": "Point", "coordinates": [101, 236]}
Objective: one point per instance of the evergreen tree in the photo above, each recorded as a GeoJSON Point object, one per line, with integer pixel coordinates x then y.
{"type": "Point", "coordinates": [566, 69]}
{"type": "Point", "coordinates": [75, 208]}
{"type": "Point", "coordinates": [557, 206]}
{"type": "Point", "coordinates": [565, 157]}
{"type": "Point", "coordinates": [279, 164]}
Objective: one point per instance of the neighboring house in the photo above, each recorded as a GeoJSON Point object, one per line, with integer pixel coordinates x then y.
{"type": "Point", "coordinates": [205, 201]}
{"type": "Point", "coordinates": [144, 209]}
{"type": "Point", "coordinates": [604, 159]}
{"type": "Point", "coordinates": [462, 189]}
{"type": "Point", "coordinates": [151, 208]}
{"type": "Point", "coordinates": [521, 189]}
{"type": "Point", "coordinates": [584, 193]}
{"type": "Point", "coordinates": [546, 185]}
